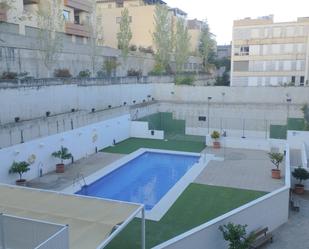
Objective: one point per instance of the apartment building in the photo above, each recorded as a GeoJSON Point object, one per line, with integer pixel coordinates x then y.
{"type": "Point", "coordinates": [76, 15]}
{"type": "Point", "coordinates": [142, 15]}
{"type": "Point", "coordinates": [265, 53]}
{"type": "Point", "coordinates": [224, 51]}
{"type": "Point", "coordinates": [194, 29]}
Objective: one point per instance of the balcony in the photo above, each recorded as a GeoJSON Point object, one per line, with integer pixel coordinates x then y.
{"type": "Point", "coordinates": [31, 1]}
{"type": "Point", "coordinates": [83, 5]}
{"type": "Point", "coordinates": [3, 16]}
{"type": "Point", "coordinates": [77, 29]}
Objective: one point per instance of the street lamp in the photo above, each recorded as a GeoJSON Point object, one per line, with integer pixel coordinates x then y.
{"type": "Point", "coordinates": [208, 106]}
{"type": "Point", "coordinates": [289, 101]}
{"type": "Point", "coordinates": [223, 95]}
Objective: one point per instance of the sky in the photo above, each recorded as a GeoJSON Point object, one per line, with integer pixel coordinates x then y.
{"type": "Point", "coordinates": [221, 13]}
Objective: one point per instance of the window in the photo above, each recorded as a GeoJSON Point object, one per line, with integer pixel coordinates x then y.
{"type": "Point", "coordinates": [244, 50]}
{"type": "Point", "coordinates": [76, 19]}
{"type": "Point", "coordinates": [66, 15]}
{"type": "Point", "coordinates": [202, 118]}
{"type": "Point", "coordinates": [302, 80]}
{"type": "Point", "coordinates": [293, 80]}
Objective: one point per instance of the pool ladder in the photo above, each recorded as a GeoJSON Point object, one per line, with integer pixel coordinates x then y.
{"type": "Point", "coordinates": [79, 179]}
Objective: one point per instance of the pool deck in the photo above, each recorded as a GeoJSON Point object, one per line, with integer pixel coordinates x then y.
{"type": "Point", "coordinates": [244, 169]}
{"type": "Point", "coordinates": [85, 167]}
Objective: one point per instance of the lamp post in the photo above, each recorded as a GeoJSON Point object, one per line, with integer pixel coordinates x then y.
{"type": "Point", "coordinates": [208, 106]}
{"type": "Point", "coordinates": [289, 101]}
{"type": "Point", "coordinates": [223, 95]}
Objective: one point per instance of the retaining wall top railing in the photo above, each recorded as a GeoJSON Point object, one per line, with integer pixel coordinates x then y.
{"type": "Point", "coordinates": [92, 81]}
{"type": "Point", "coordinates": [304, 155]}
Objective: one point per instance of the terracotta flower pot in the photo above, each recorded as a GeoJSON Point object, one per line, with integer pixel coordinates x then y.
{"type": "Point", "coordinates": [216, 145]}
{"type": "Point", "coordinates": [60, 168]}
{"type": "Point", "coordinates": [299, 189]}
{"type": "Point", "coordinates": [21, 182]}
{"type": "Point", "coordinates": [276, 173]}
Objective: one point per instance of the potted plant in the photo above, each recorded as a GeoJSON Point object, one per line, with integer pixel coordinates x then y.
{"type": "Point", "coordinates": [62, 154]}
{"type": "Point", "coordinates": [236, 235]}
{"type": "Point", "coordinates": [276, 159]}
{"type": "Point", "coordinates": [215, 136]}
{"type": "Point", "coordinates": [301, 175]}
{"type": "Point", "coordinates": [20, 168]}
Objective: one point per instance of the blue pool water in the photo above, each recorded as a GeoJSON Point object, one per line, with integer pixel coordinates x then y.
{"type": "Point", "coordinates": [145, 179]}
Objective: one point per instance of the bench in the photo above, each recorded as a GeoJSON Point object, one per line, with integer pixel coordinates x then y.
{"type": "Point", "coordinates": [261, 237]}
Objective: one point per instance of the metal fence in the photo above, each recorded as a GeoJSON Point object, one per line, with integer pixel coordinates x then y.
{"type": "Point", "coordinates": [22, 233]}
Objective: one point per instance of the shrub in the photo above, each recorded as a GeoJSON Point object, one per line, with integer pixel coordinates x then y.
{"type": "Point", "coordinates": [9, 76]}
{"type": "Point", "coordinates": [236, 235]}
{"type": "Point", "coordinates": [62, 154]}
{"type": "Point", "coordinates": [301, 175]}
{"type": "Point", "coordinates": [62, 73]}
{"type": "Point", "coordinates": [109, 66]}
{"type": "Point", "coordinates": [215, 135]}
{"type": "Point", "coordinates": [276, 158]}
{"type": "Point", "coordinates": [19, 168]}
{"type": "Point", "coordinates": [101, 74]}
{"type": "Point", "coordinates": [184, 80]}
{"type": "Point", "coordinates": [135, 73]}
{"type": "Point", "coordinates": [84, 74]}
{"type": "Point", "coordinates": [133, 48]}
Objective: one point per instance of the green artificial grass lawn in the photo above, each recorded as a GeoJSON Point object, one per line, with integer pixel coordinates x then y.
{"type": "Point", "coordinates": [132, 144]}
{"type": "Point", "coordinates": [197, 205]}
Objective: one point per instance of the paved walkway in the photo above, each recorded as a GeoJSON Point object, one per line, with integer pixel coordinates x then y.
{"type": "Point", "coordinates": [294, 234]}
{"type": "Point", "coordinates": [86, 167]}
{"type": "Point", "coordinates": [244, 169]}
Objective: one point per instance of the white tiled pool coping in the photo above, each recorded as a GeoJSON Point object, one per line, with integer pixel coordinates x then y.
{"type": "Point", "coordinates": [158, 211]}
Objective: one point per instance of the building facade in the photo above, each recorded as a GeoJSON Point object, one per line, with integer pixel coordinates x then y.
{"type": "Point", "coordinates": [76, 15]}
{"type": "Point", "coordinates": [142, 17]}
{"type": "Point", "coordinates": [265, 53]}
{"type": "Point", "coordinates": [224, 51]}
{"type": "Point", "coordinates": [194, 29]}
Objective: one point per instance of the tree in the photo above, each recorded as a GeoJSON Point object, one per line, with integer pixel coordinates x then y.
{"type": "Point", "coordinates": [207, 46]}
{"type": "Point", "coordinates": [162, 37]}
{"type": "Point", "coordinates": [19, 168]}
{"type": "Point", "coordinates": [96, 36]}
{"type": "Point", "coordinates": [62, 154]}
{"type": "Point", "coordinates": [276, 158]}
{"type": "Point", "coordinates": [181, 44]}
{"type": "Point", "coordinates": [236, 235]}
{"type": "Point", "coordinates": [124, 35]}
{"type": "Point", "coordinates": [50, 22]}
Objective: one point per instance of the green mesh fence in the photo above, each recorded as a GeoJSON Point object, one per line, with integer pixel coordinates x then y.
{"type": "Point", "coordinates": [296, 124]}
{"type": "Point", "coordinates": [173, 129]}
{"type": "Point", "coordinates": [278, 131]}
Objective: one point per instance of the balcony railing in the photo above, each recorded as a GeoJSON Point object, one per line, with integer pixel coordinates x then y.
{"type": "Point", "coordinates": [3, 16]}
{"type": "Point", "coordinates": [31, 1]}
{"type": "Point", "coordinates": [77, 29]}
{"type": "Point", "coordinates": [83, 5]}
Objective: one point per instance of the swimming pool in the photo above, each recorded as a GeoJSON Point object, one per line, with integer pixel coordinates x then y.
{"type": "Point", "coordinates": [144, 179]}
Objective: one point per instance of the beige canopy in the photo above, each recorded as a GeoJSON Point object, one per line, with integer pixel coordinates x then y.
{"type": "Point", "coordinates": [90, 220]}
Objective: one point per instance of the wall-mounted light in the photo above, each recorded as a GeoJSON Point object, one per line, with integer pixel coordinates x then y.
{"type": "Point", "coordinates": [80, 133]}
{"type": "Point", "coordinates": [41, 145]}
{"type": "Point", "coordinates": [16, 152]}
{"type": "Point", "coordinates": [62, 139]}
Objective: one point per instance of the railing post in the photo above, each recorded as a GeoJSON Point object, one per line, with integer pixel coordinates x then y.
{"type": "Point", "coordinates": [2, 231]}
{"type": "Point", "coordinates": [143, 228]}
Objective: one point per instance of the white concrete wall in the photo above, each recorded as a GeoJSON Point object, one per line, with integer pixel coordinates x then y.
{"type": "Point", "coordinates": [272, 210]}
{"type": "Point", "coordinates": [299, 95]}
{"type": "Point", "coordinates": [141, 130]}
{"type": "Point", "coordinates": [33, 102]}
{"type": "Point", "coordinates": [80, 142]}
{"type": "Point", "coordinates": [249, 143]}
{"type": "Point", "coordinates": [297, 138]}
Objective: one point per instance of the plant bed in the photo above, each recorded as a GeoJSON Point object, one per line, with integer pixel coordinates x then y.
{"type": "Point", "coordinates": [276, 173]}
{"type": "Point", "coordinates": [60, 168]}
{"type": "Point", "coordinates": [21, 182]}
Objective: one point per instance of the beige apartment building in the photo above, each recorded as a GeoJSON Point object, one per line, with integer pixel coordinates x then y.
{"type": "Point", "coordinates": [76, 15]}
{"type": "Point", "coordinates": [142, 14]}
{"type": "Point", "coordinates": [194, 29]}
{"type": "Point", "coordinates": [265, 53]}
